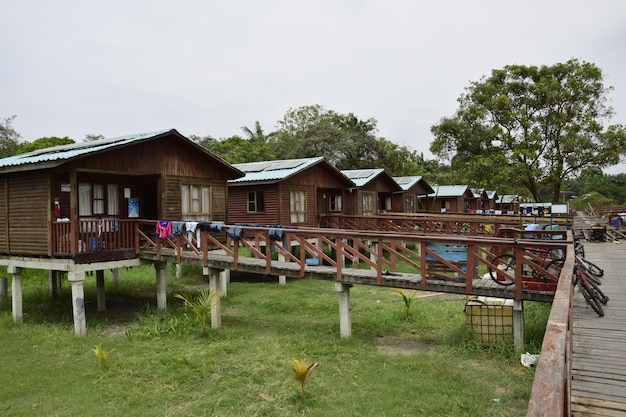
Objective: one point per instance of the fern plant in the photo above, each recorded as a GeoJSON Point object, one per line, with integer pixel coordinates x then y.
{"type": "Point", "coordinates": [302, 372]}
{"type": "Point", "coordinates": [201, 305]}
{"type": "Point", "coordinates": [102, 356]}
{"type": "Point", "coordinates": [408, 299]}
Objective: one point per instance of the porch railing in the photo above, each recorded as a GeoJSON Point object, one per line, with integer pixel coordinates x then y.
{"type": "Point", "coordinates": [91, 236]}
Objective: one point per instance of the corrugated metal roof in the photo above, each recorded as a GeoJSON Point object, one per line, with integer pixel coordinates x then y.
{"type": "Point", "coordinates": [407, 182]}
{"type": "Point", "coordinates": [66, 152]}
{"type": "Point", "coordinates": [449, 190]}
{"type": "Point", "coordinates": [360, 177]}
{"type": "Point", "coordinates": [271, 171]}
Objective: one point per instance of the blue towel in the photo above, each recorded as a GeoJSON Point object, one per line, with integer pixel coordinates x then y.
{"type": "Point", "coordinates": [235, 232]}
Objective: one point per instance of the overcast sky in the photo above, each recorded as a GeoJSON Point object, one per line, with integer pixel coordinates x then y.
{"type": "Point", "coordinates": [207, 68]}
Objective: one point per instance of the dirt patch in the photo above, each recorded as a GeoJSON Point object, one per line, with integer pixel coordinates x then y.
{"type": "Point", "coordinates": [401, 345]}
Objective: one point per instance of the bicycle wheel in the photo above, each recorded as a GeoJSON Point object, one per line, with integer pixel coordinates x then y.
{"type": "Point", "coordinates": [594, 269]}
{"type": "Point", "coordinates": [596, 291]}
{"type": "Point", "coordinates": [554, 267]}
{"type": "Point", "coordinates": [506, 263]}
{"type": "Point", "coordinates": [592, 301]}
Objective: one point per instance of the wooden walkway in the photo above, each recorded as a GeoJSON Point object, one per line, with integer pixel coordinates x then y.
{"type": "Point", "coordinates": [598, 386]}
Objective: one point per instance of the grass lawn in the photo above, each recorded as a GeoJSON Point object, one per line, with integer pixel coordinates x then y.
{"type": "Point", "coordinates": [160, 364]}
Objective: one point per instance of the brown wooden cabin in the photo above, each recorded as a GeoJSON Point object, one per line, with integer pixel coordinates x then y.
{"type": "Point", "coordinates": [79, 201]}
{"type": "Point", "coordinates": [480, 202]}
{"type": "Point", "coordinates": [408, 200]}
{"type": "Point", "coordinates": [292, 192]}
{"type": "Point", "coordinates": [449, 199]}
{"type": "Point", "coordinates": [509, 203]}
{"type": "Point", "coordinates": [373, 192]}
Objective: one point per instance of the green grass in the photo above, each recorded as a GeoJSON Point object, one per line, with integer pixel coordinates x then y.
{"type": "Point", "coordinates": [161, 365]}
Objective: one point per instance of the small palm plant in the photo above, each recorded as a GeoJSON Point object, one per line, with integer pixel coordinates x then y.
{"type": "Point", "coordinates": [201, 305]}
{"type": "Point", "coordinates": [102, 356]}
{"type": "Point", "coordinates": [408, 299]}
{"type": "Point", "coordinates": [302, 372]}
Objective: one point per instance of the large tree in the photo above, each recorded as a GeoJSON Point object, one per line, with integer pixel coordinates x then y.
{"type": "Point", "coordinates": [43, 143]}
{"type": "Point", "coordinates": [529, 126]}
{"type": "Point", "coordinates": [9, 138]}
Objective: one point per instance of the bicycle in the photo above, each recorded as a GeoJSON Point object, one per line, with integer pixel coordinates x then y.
{"type": "Point", "coordinates": [588, 285]}
{"type": "Point", "coordinates": [540, 263]}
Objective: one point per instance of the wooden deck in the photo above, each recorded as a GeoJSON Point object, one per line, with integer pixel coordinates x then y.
{"type": "Point", "coordinates": [598, 386]}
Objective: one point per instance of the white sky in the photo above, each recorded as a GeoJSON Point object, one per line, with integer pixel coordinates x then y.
{"type": "Point", "coordinates": [116, 67]}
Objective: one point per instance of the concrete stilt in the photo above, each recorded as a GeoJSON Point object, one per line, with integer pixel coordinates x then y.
{"type": "Point", "coordinates": [115, 277]}
{"type": "Point", "coordinates": [4, 289]}
{"type": "Point", "coordinates": [16, 290]}
{"type": "Point", "coordinates": [53, 282]}
{"type": "Point", "coordinates": [179, 270]}
{"type": "Point", "coordinates": [101, 297]}
{"type": "Point", "coordinates": [282, 279]}
{"type": "Point", "coordinates": [224, 281]}
{"type": "Point", "coordinates": [216, 306]}
{"type": "Point", "coordinates": [518, 324]}
{"type": "Point", "coordinates": [161, 284]}
{"type": "Point", "coordinates": [345, 319]}
{"type": "Point", "coordinates": [78, 302]}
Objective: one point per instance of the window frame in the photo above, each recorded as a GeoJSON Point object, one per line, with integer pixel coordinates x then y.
{"type": "Point", "coordinates": [297, 206]}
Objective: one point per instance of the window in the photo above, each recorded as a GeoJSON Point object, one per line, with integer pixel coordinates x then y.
{"type": "Point", "coordinates": [92, 199]}
{"type": "Point", "coordinates": [335, 202]}
{"type": "Point", "coordinates": [256, 202]}
{"type": "Point", "coordinates": [297, 206]}
{"type": "Point", "coordinates": [368, 205]}
{"type": "Point", "coordinates": [195, 202]}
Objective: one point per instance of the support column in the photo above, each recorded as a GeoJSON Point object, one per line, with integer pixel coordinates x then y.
{"type": "Point", "coordinates": [4, 290]}
{"type": "Point", "coordinates": [282, 279]}
{"type": "Point", "coordinates": [53, 288]}
{"type": "Point", "coordinates": [518, 324]}
{"type": "Point", "coordinates": [115, 277]}
{"type": "Point", "coordinates": [78, 302]}
{"type": "Point", "coordinates": [101, 297]}
{"type": "Point", "coordinates": [179, 270]}
{"type": "Point", "coordinates": [345, 319]}
{"type": "Point", "coordinates": [16, 291]}
{"type": "Point", "coordinates": [216, 305]}
{"type": "Point", "coordinates": [161, 284]}
{"type": "Point", "coordinates": [224, 281]}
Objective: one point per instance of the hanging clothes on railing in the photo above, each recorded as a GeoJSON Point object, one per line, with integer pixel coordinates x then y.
{"type": "Point", "coordinates": [163, 229]}
{"type": "Point", "coordinates": [191, 228]}
{"type": "Point", "coordinates": [177, 228]}
{"type": "Point", "coordinates": [235, 232]}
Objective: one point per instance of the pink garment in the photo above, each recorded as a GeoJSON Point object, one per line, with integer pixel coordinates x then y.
{"type": "Point", "coordinates": [163, 229]}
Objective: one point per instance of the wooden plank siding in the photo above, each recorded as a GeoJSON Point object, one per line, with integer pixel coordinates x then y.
{"type": "Point", "coordinates": [26, 205]}
{"type": "Point", "coordinates": [238, 204]}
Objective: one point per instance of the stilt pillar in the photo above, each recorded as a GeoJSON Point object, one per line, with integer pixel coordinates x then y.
{"type": "Point", "coordinates": [78, 302]}
{"type": "Point", "coordinates": [4, 289]}
{"type": "Point", "coordinates": [216, 304]}
{"type": "Point", "coordinates": [101, 296]}
{"type": "Point", "coordinates": [518, 324]}
{"type": "Point", "coordinates": [345, 319]}
{"type": "Point", "coordinates": [16, 292]}
{"type": "Point", "coordinates": [224, 281]}
{"type": "Point", "coordinates": [161, 284]}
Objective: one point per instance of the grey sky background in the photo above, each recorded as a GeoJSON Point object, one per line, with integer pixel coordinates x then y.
{"type": "Point", "coordinates": [116, 67]}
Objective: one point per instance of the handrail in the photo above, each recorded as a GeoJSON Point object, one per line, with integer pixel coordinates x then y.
{"type": "Point", "coordinates": [550, 395]}
{"type": "Point", "coordinates": [380, 250]}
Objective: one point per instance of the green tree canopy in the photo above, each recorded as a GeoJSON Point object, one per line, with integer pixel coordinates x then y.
{"type": "Point", "coordinates": [528, 126]}
{"type": "Point", "coordinates": [43, 143]}
{"type": "Point", "coordinates": [9, 138]}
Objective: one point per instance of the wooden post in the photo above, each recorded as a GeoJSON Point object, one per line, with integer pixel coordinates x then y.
{"type": "Point", "coordinates": [78, 302]}
{"type": "Point", "coordinates": [345, 320]}
{"type": "Point", "coordinates": [518, 324]}
{"type": "Point", "coordinates": [161, 284]}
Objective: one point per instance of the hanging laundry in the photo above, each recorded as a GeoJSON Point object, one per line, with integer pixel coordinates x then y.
{"type": "Point", "coordinates": [163, 229]}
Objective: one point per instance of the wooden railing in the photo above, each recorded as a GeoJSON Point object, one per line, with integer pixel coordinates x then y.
{"type": "Point", "coordinates": [550, 395]}
{"type": "Point", "coordinates": [91, 236]}
{"type": "Point", "coordinates": [424, 255]}
{"type": "Point", "coordinates": [465, 224]}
